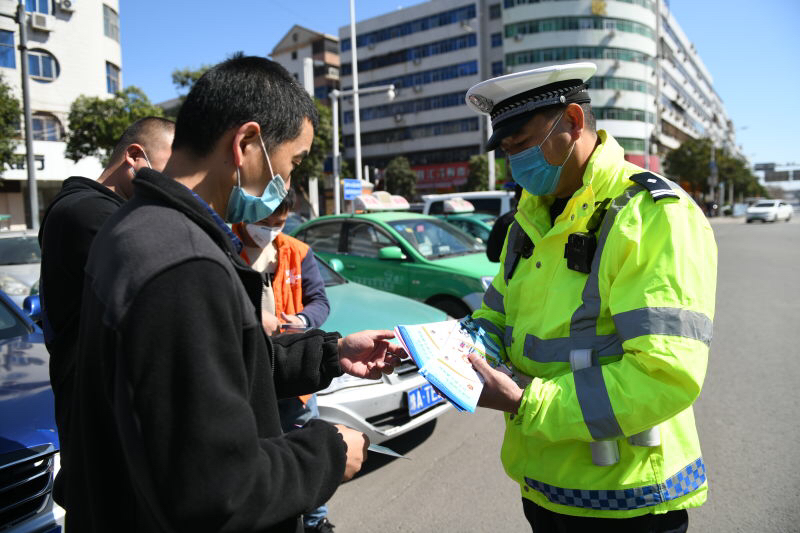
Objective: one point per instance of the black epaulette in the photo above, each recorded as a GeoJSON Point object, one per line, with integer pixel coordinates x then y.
{"type": "Point", "coordinates": [657, 186]}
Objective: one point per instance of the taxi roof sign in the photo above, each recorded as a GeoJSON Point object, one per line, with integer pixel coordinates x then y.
{"type": "Point", "coordinates": [458, 205]}
{"type": "Point", "coordinates": [381, 201]}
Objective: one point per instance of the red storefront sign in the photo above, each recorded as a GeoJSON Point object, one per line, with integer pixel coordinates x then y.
{"type": "Point", "coordinates": [441, 176]}
{"type": "Point", "coordinates": [638, 160]}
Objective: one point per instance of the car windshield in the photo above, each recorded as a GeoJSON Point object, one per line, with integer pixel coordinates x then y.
{"type": "Point", "coordinates": [434, 238]}
{"type": "Point", "coordinates": [765, 204]}
{"type": "Point", "coordinates": [487, 219]}
{"type": "Point", "coordinates": [19, 251]}
{"type": "Point", "coordinates": [10, 324]}
{"type": "Point", "coordinates": [329, 276]}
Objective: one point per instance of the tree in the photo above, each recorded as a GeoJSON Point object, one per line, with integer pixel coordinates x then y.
{"type": "Point", "coordinates": [184, 78]}
{"type": "Point", "coordinates": [314, 163]}
{"type": "Point", "coordinates": [400, 179]}
{"type": "Point", "coordinates": [96, 124]}
{"type": "Point", "coordinates": [690, 162]}
{"type": "Point", "coordinates": [478, 178]}
{"type": "Point", "coordinates": [10, 112]}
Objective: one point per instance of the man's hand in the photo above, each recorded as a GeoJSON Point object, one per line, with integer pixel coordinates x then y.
{"type": "Point", "coordinates": [368, 354]}
{"type": "Point", "coordinates": [499, 390]}
{"type": "Point", "coordinates": [357, 444]}
{"type": "Point", "coordinates": [270, 323]}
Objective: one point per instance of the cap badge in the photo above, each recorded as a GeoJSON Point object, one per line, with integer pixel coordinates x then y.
{"type": "Point", "coordinates": [481, 102]}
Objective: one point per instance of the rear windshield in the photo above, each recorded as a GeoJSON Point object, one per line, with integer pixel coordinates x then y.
{"type": "Point", "coordinates": [765, 204]}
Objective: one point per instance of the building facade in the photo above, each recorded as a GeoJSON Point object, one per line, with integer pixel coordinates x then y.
{"type": "Point", "coordinates": [651, 90]}
{"type": "Point", "coordinates": [786, 177]}
{"type": "Point", "coordinates": [73, 49]}
{"type": "Point", "coordinates": [301, 43]}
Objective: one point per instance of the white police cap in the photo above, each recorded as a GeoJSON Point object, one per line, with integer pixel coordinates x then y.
{"type": "Point", "coordinates": [512, 99]}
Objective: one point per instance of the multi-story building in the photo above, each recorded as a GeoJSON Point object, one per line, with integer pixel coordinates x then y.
{"type": "Point", "coordinates": [786, 177]}
{"type": "Point", "coordinates": [432, 53]}
{"type": "Point", "coordinates": [73, 49]}
{"type": "Point", "coordinates": [651, 90]}
{"type": "Point", "coordinates": [301, 43]}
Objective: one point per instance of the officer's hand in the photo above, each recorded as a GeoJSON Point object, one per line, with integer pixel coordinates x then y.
{"type": "Point", "coordinates": [499, 390]}
{"type": "Point", "coordinates": [357, 444]}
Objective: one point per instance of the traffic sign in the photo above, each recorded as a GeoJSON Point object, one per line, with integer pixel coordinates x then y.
{"type": "Point", "coordinates": [352, 188]}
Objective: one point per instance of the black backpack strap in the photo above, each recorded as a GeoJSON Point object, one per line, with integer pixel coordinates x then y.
{"type": "Point", "coordinates": [658, 187]}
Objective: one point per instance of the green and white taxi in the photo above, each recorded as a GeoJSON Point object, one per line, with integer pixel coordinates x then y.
{"type": "Point", "coordinates": [410, 254]}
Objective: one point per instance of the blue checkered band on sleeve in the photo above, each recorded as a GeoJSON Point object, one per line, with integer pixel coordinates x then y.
{"type": "Point", "coordinates": [686, 481]}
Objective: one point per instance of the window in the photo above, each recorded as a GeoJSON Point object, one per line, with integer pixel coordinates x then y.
{"type": "Point", "coordinates": [46, 128]}
{"type": "Point", "coordinates": [294, 54]}
{"type": "Point", "coordinates": [497, 68]}
{"type": "Point", "coordinates": [38, 6]}
{"type": "Point", "coordinates": [110, 23]}
{"type": "Point", "coordinates": [495, 12]}
{"type": "Point", "coordinates": [112, 78]}
{"type": "Point", "coordinates": [322, 237]}
{"type": "Point", "coordinates": [497, 40]}
{"type": "Point", "coordinates": [364, 240]}
{"type": "Point", "coordinates": [8, 57]}
{"type": "Point", "coordinates": [42, 66]}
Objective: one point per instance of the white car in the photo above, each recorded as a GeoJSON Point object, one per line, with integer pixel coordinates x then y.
{"type": "Point", "coordinates": [491, 202]}
{"type": "Point", "coordinates": [769, 211]}
{"type": "Point", "coordinates": [20, 258]}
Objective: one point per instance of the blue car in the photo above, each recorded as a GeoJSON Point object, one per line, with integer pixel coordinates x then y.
{"type": "Point", "coordinates": [28, 437]}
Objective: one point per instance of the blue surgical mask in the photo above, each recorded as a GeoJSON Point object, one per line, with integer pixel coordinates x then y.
{"type": "Point", "coordinates": [531, 170]}
{"type": "Point", "coordinates": [244, 207]}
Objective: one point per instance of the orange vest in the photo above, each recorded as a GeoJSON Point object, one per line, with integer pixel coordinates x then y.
{"type": "Point", "coordinates": [288, 283]}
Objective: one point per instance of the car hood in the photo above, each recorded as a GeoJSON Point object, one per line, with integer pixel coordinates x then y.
{"type": "Point", "coordinates": [475, 265]}
{"type": "Point", "coordinates": [27, 418]}
{"type": "Point", "coordinates": [356, 307]}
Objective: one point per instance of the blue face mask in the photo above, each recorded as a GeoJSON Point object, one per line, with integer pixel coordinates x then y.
{"type": "Point", "coordinates": [244, 207]}
{"type": "Point", "coordinates": [531, 170]}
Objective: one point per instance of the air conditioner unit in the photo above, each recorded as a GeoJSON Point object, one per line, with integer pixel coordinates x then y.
{"type": "Point", "coordinates": [617, 94]}
{"type": "Point", "coordinates": [417, 88]}
{"type": "Point", "coordinates": [371, 46]}
{"type": "Point", "coordinates": [67, 5]}
{"type": "Point", "coordinates": [398, 117]}
{"type": "Point", "coordinates": [617, 63]}
{"type": "Point", "coordinates": [41, 22]}
{"type": "Point", "coordinates": [417, 60]}
{"type": "Point", "coordinates": [519, 36]}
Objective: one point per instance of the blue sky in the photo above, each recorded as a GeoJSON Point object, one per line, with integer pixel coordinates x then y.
{"type": "Point", "coordinates": [750, 48]}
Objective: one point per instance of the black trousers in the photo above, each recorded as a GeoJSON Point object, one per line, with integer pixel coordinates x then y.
{"type": "Point", "coordinates": [544, 521]}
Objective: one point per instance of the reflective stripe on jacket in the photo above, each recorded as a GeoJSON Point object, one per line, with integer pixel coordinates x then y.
{"type": "Point", "coordinates": [645, 310]}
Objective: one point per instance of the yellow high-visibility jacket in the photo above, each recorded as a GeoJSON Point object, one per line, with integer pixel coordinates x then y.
{"type": "Point", "coordinates": [645, 311]}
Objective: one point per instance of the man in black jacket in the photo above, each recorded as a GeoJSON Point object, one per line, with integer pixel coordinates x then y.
{"type": "Point", "coordinates": [175, 423]}
{"type": "Point", "coordinates": [69, 226]}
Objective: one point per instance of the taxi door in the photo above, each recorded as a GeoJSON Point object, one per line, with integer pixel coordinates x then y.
{"type": "Point", "coordinates": [362, 263]}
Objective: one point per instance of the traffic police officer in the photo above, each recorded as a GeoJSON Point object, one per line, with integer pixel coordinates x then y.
{"type": "Point", "coordinates": [604, 303]}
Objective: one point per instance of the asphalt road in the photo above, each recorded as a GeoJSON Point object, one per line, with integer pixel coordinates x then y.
{"type": "Point", "coordinates": [748, 417]}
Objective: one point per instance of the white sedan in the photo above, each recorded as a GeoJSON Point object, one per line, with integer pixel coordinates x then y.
{"type": "Point", "coordinates": [769, 211]}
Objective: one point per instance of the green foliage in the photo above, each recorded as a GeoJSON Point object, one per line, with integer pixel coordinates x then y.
{"type": "Point", "coordinates": [690, 163]}
{"type": "Point", "coordinates": [96, 124]}
{"type": "Point", "coordinates": [184, 78]}
{"type": "Point", "coordinates": [478, 178]}
{"type": "Point", "coordinates": [10, 112]}
{"type": "Point", "coordinates": [313, 164]}
{"type": "Point", "coordinates": [400, 179]}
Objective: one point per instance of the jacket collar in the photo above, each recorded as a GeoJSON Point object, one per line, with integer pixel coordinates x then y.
{"type": "Point", "coordinates": [599, 181]}
{"type": "Point", "coordinates": [155, 186]}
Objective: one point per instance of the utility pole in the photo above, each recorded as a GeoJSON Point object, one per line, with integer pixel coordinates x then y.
{"type": "Point", "coordinates": [33, 194]}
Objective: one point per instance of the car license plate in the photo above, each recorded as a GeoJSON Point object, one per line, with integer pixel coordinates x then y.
{"type": "Point", "coordinates": [421, 399]}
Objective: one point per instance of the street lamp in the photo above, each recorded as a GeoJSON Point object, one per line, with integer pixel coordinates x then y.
{"type": "Point", "coordinates": [33, 197]}
{"type": "Point", "coordinates": [337, 164]}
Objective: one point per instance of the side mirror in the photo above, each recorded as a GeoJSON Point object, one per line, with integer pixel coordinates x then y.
{"type": "Point", "coordinates": [336, 265]}
{"type": "Point", "coordinates": [33, 308]}
{"type": "Point", "coordinates": [391, 253]}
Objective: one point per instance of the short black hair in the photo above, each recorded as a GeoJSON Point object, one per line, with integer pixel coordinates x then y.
{"type": "Point", "coordinates": [238, 90]}
{"type": "Point", "coordinates": [143, 131]}
{"type": "Point", "coordinates": [287, 204]}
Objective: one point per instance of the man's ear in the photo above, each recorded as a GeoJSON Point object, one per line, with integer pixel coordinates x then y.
{"type": "Point", "coordinates": [243, 137]}
{"type": "Point", "coordinates": [576, 120]}
{"type": "Point", "coordinates": [133, 152]}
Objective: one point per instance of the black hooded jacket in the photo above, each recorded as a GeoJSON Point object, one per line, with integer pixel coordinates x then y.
{"type": "Point", "coordinates": [174, 423]}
